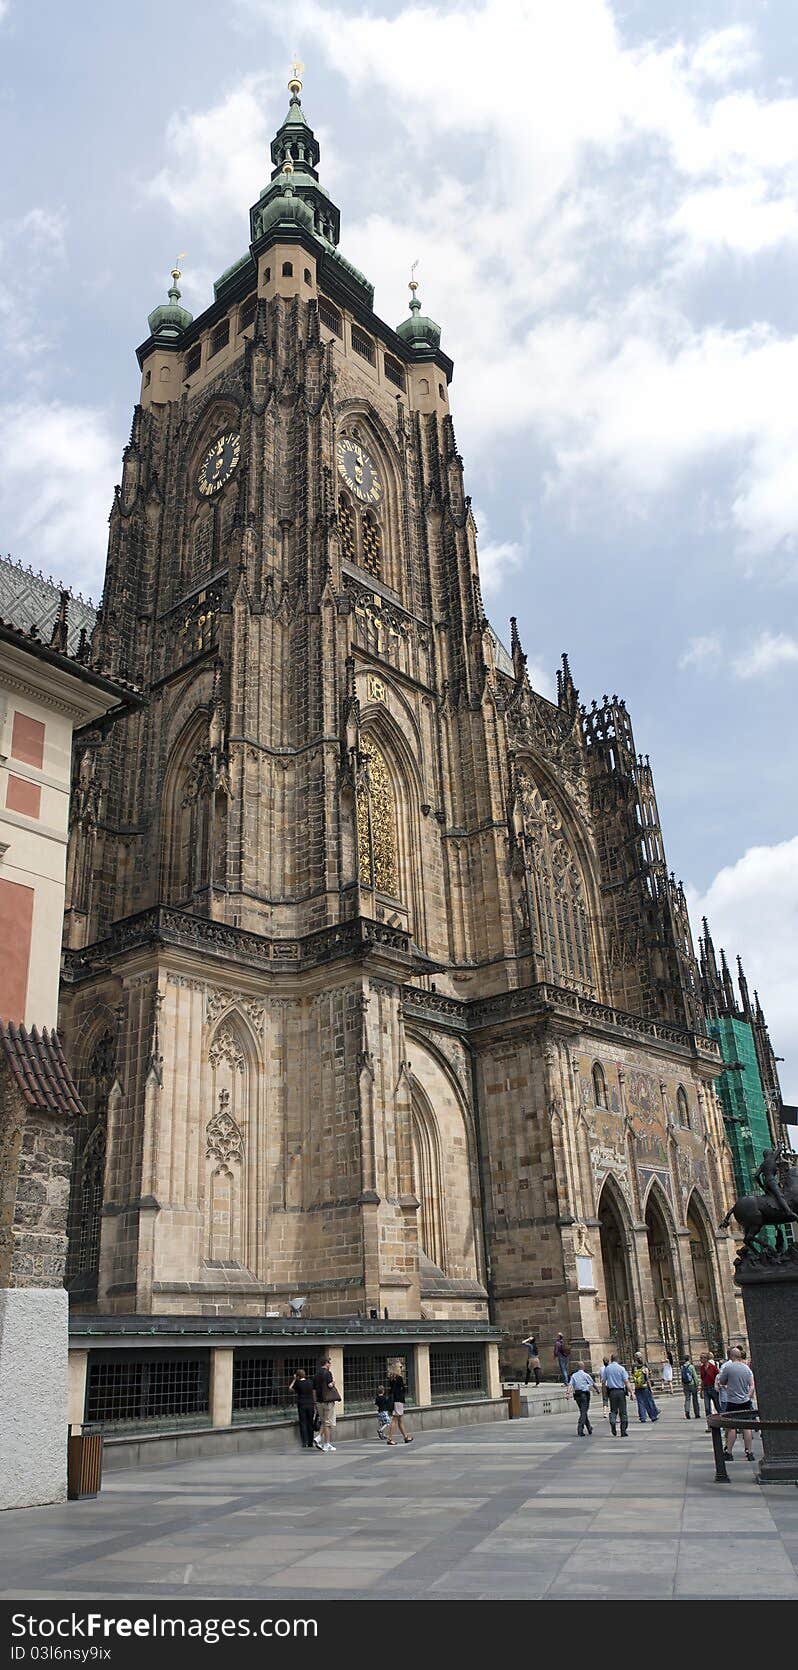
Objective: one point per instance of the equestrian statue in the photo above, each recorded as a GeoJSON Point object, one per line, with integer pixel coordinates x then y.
{"type": "Point", "coordinates": [777, 1205]}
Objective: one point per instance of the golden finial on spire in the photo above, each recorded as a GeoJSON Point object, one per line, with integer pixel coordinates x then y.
{"type": "Point", "coordinates": [177, 268]}
{"type": "Point", "coordinates": [413, 285]}
{"type": "Point", "coordinates": [295, 84]}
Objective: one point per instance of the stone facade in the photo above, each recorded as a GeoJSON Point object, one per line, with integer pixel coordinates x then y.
{"type": "Point", "coordinates": [377, 987]}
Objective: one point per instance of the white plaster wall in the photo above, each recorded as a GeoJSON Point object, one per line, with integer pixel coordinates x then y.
{"type": "Point", "coordinates": [34, 1331]}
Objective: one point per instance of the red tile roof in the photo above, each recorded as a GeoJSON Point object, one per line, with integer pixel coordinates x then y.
{"type": "Point", "coordinates": [38, 1066]}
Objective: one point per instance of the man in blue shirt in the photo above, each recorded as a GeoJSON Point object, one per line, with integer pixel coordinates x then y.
{"type": "Point", "coordinates": [616, 1380]}
{"type": "Point", "coordinates": [580, 1386]}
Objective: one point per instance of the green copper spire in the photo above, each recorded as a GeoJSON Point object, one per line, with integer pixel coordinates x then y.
{"type": "Point", "coordinates": [295, 147]}
{"type": "Point", "coordinates": [170, 319]}
{"type": "Point", "coordinates": [418, 331]}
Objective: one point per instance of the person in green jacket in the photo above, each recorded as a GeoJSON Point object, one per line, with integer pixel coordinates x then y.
{"type": "Point", "coordinates": [689, 1387]}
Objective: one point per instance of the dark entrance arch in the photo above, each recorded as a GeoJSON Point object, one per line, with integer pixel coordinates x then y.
{"type": "Point", "coordinates": [663, 1277]}
{"type": "Point", "coordinates": [617, 1283]}
{"type": "Point", "coordinates": [703, 1278]}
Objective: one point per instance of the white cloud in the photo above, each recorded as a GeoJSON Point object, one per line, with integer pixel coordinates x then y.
{"type": "Point", "coordinates": [702, 652]}
{"type": "Point", "coordinates": [724, 54]}
{"type": "Point", "coordinates": [32, 247]}
{"type": "Point", "coordinates": [769, 650]}
{"type": "Point", "coordinates": [752, 909]}
{"type": "Point", "coordinates": [218, 159]}
{"type": "Point", "coordinates": [559, 228]}
{"type": "Point", "coordinates": [59, 464]}
{"type": "Point", "coordinates": [497, 559]}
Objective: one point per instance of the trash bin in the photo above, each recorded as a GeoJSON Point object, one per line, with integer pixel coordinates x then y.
{"type": "Point", "coordinates": [84, 1463]}
{"type": "Point", "coordinates": [513, 1396]}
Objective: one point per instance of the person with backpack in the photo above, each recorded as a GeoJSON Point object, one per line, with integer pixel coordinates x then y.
{"type": "Point", "coordinates": [690, 1388]}
{"type": "Point", "coordinates": [561, 1354]}
{"type": "Point", "coordinates": [641, 1380]}
{"type": "Point", "coordinates": [326, 1395]}
{"type": "Point", "coordinates": [708, 1372]}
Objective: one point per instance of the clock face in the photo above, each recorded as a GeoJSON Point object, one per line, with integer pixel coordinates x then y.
{"type": "Point", "coordinates": [359, 472]}
{"type": "Point", "coordinates": [219, 465]}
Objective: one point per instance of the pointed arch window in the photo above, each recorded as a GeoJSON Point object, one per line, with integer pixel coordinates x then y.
{"type": "Point", "coordinates": [88, 1167]}
{"type": "Point", "coordinates": [682, 1107]}
{"type": "Point", "coordinates": [558, 894]}
{"type": "Point", "coordinates": [599, 1086]}
{"type": "Point", "coordinates": [376, 826]}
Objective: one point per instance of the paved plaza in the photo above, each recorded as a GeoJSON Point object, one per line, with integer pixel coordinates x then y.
{"type": "Point", "coordinates": [516, 1511]}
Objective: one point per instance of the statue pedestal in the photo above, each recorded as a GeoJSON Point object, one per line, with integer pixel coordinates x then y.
{"type": "Point", "coordinates": [768, 1282]}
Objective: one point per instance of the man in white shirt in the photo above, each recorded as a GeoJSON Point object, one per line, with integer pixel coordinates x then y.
{"type": "Point", "coordinates": [580, 1386]}
{"type": "Point", "coordinates": [738, 1383]}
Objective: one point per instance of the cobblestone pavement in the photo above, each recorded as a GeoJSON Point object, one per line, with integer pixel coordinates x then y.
{"type": "Point", "coordinates": [516, 1511]}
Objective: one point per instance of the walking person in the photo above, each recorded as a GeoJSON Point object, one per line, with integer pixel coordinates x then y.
{"type": "Point", "coordinates": [737, 1380]}
{"type": "Point", "coordinates": [646, 1407]}
{"type": "Point", "coordinates": [302, 1388]}
{"type": "Point", "coordinates": [532, 1359]}
{"type": "Point", "coordinates": [708, 1373]}
{"type": "Point", "coordinates": [690, 1388]}
{"type": "Point", "coordinates": [580, 1386]}
{"type": "Point", "coordinates": [605, 1396]}
{"type": "Point", "coordinates": [616, 1380]}
{"type": "Point", "coordinates": [382, 1403]}
{"type": "Point", "coordinates": [667, 1374]}
{"type": "Point", "coordinates": [398, 1392]}
{"type": "Point", "coordinates": [326, 1395]}
{"type": "Point", "coordinates": [561, 1354]}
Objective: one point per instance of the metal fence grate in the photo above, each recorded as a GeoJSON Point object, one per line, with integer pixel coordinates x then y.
{"type": "Point", "coordinates": [456, 1371]}
{"type": "Point", "coordinates": [365, 1369]}
{"type": "Point", "coordinates": [247, 314]}
{"type": "Point", "coordinates": [261, 1380]}
{"type": "Point", "coordinates": [363, 345]}
{"type": "Point", "coordinates": [128, 1390]}
{"type": "Point", "coordinates": [394, 372]}
{"type": "Point", "coordinates": [330, 317]}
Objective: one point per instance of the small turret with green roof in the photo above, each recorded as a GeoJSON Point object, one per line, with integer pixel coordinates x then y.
{"type": "Point", "coordinates": [170, 319]}
{"type": "Point", "coordinates": [419, 331]}
{"type": "Point", "coordinates": [295, 150]}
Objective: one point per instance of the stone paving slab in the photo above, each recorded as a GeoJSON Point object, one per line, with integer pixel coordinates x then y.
{"type": "Point", "coordinates": [481, 1513]}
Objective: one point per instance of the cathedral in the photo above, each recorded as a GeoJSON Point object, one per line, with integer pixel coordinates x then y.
{"type": "Point", "coordinates": [377, 988]}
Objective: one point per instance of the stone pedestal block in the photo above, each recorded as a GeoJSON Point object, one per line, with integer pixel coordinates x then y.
{"type": "Point", "coordinates": [769, 1286]}
{"type": "Point", "coordinates": [34, 1326]}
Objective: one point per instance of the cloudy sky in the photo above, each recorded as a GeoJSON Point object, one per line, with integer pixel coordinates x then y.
{"type": "Point", "coordinates": [603, 200]}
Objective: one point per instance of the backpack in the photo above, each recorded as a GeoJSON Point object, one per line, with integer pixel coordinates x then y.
{"type": "Point", "coordinates": [687, 1374]}
{"type": "Point", "coordinates": [639, 1377]}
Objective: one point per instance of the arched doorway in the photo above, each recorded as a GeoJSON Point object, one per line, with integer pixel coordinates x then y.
{"type": "Point", "coordinates": [617, 1283]}
{"type": "Point", "coordinates": [663, 1277]}
{"type": "Point", "coordinates": [706, 1297]}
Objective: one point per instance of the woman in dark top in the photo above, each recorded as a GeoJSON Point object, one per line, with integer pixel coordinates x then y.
{"type": "Point", "coordinates": [302, 1387]}
{"type": "Point", "coordinates": [398, 1392]}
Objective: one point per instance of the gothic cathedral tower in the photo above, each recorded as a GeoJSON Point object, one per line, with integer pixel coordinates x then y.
{"type": "Point", "coordinates": [378, 989]}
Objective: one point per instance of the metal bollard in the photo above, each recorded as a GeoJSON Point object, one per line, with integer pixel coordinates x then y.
{"type": "Point", "coordinates": [721, 1476]}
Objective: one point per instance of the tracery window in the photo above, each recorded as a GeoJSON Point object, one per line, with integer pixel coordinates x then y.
{"type": "Point", "coordinates": [376, 826]}
{"type": "Point", "coordinates": [371, 545]}
{"type": "Point", "coordinates": [561, 927]}
{"type": "Point", "coordinates": [360, 535]}
{"type": "Point", "coordinates": [88, 1168]}
{"type": "Point", "coordinates": [346, 529]}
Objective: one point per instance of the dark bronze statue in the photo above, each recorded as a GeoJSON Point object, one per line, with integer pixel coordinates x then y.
{"type": "Point", "coordinates": [777, 1205]}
